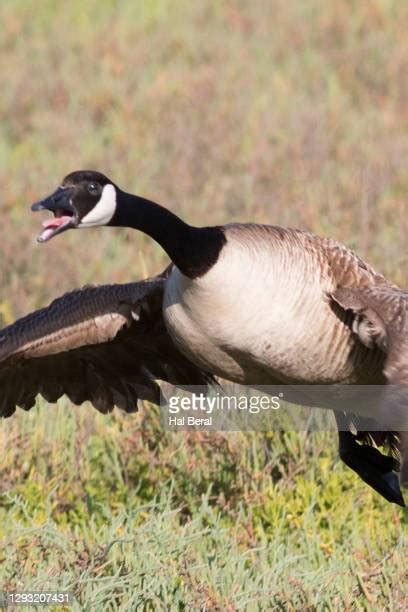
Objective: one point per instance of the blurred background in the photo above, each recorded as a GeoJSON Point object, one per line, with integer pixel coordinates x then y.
{"type": "Point", "coordinates": [285, 112]}
{"type": "Point", "coordinates": [292, 113]}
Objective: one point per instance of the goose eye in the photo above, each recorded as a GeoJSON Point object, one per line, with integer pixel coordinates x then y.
{"type": "Point", "coordinates": [93, 189]}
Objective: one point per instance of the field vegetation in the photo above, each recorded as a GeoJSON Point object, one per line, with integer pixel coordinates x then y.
{"type": "Point", "coordinates": [285, 112]}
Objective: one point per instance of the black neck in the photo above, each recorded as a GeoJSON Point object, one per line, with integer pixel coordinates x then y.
{"type": "Point", "coordinates": [194, 250]}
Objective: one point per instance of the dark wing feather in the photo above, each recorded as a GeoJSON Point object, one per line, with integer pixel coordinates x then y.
{"type": "Point", "coordinates": [104, 344]}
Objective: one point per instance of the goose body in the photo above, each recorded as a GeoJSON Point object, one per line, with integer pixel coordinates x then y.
{"type": "Point", "coordinates": [263, 314]}
{"type": "Point", "coordinates": [254, 304]}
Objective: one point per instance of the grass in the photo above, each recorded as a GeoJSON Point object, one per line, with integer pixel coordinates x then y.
{"type": "Point", "coordinates": [123, 514]}
{"type": "Point", "coordinates": [282, 112]}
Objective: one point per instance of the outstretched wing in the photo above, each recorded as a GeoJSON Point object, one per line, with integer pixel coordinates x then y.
{"type": "Point", "coordinates": [105, 344]}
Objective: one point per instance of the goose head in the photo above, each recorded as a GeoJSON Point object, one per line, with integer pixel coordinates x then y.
{"type": "Point", "coordinates": [85, 198]}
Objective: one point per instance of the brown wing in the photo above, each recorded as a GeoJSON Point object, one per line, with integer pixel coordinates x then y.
{"type": "Point", "coordinates": [381, 319]}
{"type": "Point", "coordinates": [348, 269]}
{"type": "Point", "coordinates": [105, 344]}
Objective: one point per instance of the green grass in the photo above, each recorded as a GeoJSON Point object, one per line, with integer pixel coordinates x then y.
{"type": "Point", "coordinates": [121, 513]}
{"type": "Point", "coordinates": [281, 112]}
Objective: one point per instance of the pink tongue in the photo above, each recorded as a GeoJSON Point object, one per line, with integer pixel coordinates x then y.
{"type": "Point", "coordinates": [50, 225]}
{"type": "Point", "coordinates": [55, 222]}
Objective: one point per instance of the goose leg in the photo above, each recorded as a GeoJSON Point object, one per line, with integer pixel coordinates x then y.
{"type": "Point", "coordinates": [376, 469]}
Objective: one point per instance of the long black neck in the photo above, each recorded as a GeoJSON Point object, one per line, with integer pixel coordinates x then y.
{"type": "Point", "coordinates": [194, 250]}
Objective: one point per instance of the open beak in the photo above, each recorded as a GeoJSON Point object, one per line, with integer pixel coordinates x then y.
{"type": "Point", "coordinates": [65, 215]}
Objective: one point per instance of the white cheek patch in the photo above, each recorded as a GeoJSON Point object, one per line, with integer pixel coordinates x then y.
{"type": "Point", "coordinates": [103, 211]}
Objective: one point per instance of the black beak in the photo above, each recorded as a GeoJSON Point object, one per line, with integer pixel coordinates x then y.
{"type": "Point", "coordinates": [60, 200]}
{"type": "Point", "coordinates": [65, 215]}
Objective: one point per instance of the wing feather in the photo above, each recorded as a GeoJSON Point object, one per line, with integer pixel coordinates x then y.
{"type": "Point", "coordinates": [381, 319]}
{"type": "Point", "coordinates": [105, 344]}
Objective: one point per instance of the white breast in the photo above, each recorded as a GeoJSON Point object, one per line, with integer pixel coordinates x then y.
{"type": "Point", "coordinates": [247, 319]}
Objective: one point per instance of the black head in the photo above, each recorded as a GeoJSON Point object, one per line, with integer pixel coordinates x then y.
{"type": "Point", "coordinates": [85, 198]}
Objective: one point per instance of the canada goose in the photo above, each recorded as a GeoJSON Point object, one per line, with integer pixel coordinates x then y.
{"type": "Point", "coordinates": [253, 304]}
